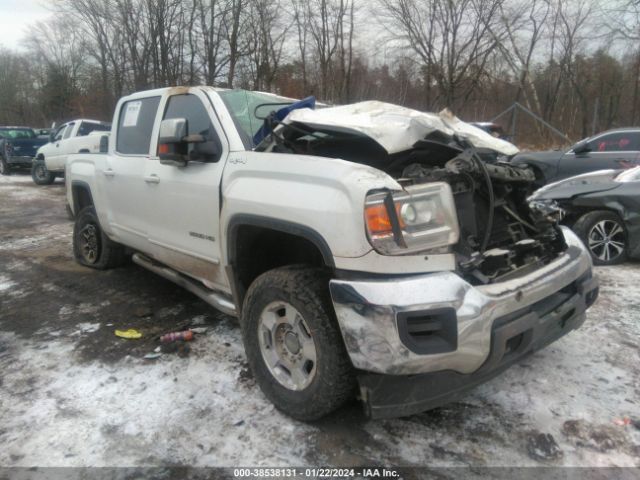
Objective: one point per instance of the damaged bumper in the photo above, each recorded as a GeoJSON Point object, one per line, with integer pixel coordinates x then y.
{"type": "Point", "coordinates": [420, 340]}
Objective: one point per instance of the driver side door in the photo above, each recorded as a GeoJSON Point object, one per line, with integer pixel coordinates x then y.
{"type": "Point", "coordinates": [53, 153]}
{"type": "Point", "coordinates": [184, 229]}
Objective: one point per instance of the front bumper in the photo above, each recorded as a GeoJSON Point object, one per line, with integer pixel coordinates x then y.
{"type": "Point", "coordinates": [476, 331]}
{"type": "Point", "coordinates": [20, 160]}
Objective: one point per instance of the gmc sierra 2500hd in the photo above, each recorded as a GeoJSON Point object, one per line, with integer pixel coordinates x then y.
{"type": "Point", "coordinates": [367, 249]}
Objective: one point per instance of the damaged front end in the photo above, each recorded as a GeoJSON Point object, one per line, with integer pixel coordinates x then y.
{"type": "Point", "coordinates": [502, 236]}
{"type": "Point", "coordinates": [494, 232]}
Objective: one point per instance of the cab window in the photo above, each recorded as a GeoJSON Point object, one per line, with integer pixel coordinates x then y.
{"type": "Point", "coordinates": [87, 127]}
{"type": "Point", "coordinates": [67, 132]}
{"type": "Point", "coordinates": [59, 133]}
{"type": "Point", "coordinates": [616, 142]}
{"type": "Point", "coordinates": [135, 124]}
{"type": "Point", "coordinates": [190, 107]}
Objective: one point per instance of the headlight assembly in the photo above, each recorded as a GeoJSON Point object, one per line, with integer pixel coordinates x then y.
{"type": "Point", "coordinates": [421, 217]}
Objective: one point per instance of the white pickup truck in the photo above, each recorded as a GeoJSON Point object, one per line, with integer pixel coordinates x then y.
{"type": "Point", "coordinates": [367, 249]}
{"type": "Point", "coordinates": [77, 136]}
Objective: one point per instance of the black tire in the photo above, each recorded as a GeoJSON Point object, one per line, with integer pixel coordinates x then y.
{"type": "Point", "coordinates": [91, 247]}
{"type": "Point", "coordinates": [590, 228]}
{"type": "Point", "coordinates": [5, 169]}
{"type": "Point", "coordinates": [333, 382]}
{"type": "Point", "coordinates": [40, 174]}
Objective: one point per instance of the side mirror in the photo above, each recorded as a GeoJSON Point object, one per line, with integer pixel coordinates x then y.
{"type": "Point", "coordinates": [581, 147]}
{"type": "Point", "coordinates": [172, 148]}
{"type": "Point", "coordinates": [104, 144]}
{"type": "Point", "coordinates": [174, 141]}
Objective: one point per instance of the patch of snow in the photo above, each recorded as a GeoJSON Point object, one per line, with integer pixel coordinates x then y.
{"type": "Point", "coordinates": [86, 327]}
{"type": "Point", "coordinates": [6, 283]}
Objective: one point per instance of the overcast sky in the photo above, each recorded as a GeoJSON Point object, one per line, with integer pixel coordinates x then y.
{"type": "Point", "coordinates": [15, 18]}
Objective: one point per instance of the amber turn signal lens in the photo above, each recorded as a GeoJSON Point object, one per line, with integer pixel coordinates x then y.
{"type": "Point", "coordinates": [378, 221]}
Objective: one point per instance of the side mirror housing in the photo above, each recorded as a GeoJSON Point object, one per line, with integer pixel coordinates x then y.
{"type": "Point", "coordinates": [174, 141]}
{"type": "Point", "coordinates": [104, 143]}
{"type": "Point", "coordinates": [581, 147]}
{"type": "Point", "coordinates": [172, 148]}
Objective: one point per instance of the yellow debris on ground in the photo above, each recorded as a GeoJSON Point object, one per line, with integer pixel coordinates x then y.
{"type": "Point", "coordinates": [131, 333]}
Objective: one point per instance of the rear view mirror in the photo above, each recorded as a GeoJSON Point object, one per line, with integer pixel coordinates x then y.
{"type": "Point", "coordinates": [581, 147]}
{"type": "Point", "coordinates": [104, 143]}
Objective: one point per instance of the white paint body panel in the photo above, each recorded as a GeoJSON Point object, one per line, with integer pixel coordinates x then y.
{"type": "Point", "coordinates": [56, 153]}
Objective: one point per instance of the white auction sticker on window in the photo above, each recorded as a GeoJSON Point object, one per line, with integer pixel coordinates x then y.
{"type": "Point", "coordinates": [131, 114]}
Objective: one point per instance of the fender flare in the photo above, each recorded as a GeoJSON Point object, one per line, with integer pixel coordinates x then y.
{"type": "Point", "coordinates": [77, 185]}
{"type": "Point", "coordinates": [242, 219]}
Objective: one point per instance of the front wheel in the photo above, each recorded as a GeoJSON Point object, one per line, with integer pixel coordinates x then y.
{"type": "Point", "coordinates": [40, 174]}
{"type": "Point", "coordinates": [293, 343]}
{"type": "Point", "coordinates": [4, 166]}
{"type": "Point", "coordinates": [91, 247]}
{"type": "Point", "coordinates": [605, 236]}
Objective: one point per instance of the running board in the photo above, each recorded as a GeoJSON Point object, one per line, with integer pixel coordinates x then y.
{"type": "Point", "coordinates": [215, 299]}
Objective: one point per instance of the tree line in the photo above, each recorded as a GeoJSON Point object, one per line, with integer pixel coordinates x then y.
{"type": "Point", "coordinates": [574, 63]}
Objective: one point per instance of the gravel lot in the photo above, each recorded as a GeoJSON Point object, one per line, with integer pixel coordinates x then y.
{"type": "Point", "coordinates": [74, 394]}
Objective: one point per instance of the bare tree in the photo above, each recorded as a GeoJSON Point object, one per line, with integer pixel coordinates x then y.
{"type": "Point", "coordinates": [451, 38]}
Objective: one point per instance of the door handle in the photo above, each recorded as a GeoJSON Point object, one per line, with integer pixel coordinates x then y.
{"type": "Point", "coordinates": [152, 179]}
{"type": "Point", "coordinates": [108, 172]}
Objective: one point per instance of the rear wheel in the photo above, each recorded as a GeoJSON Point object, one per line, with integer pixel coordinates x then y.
{"type": "Point", "coordinates": [91, 247]}
{"type": "Point", "coordinates": [605, 236]}
{"type": "Point", "coordinates": [4, 166]}
{"type": "Point", "coordinates": [293, 343]}
{"type": "Point", "coordinates": [40, 174]}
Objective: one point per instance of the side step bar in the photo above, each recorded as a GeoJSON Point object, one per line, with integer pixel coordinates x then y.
{"type": "Point", "coordinates": [216, 299]}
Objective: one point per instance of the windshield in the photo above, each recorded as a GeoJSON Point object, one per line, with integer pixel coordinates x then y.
{"type": "Point", "coordinates": [16, 133]}
{"type": "Point", "coordinates": [248, 110]}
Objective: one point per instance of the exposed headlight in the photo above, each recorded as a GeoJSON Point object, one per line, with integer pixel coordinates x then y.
{"type": "Point", "coordinates": [421, 217]}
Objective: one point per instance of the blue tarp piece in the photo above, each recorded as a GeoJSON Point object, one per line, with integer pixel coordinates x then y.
{"type": "Point", "coordinates": [309, 102]}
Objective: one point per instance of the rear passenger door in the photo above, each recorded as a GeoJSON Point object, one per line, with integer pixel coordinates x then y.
{"type": "Point", "coordinates": [123, 172]}
{"type": "Point", "coordinates": [184, 224]}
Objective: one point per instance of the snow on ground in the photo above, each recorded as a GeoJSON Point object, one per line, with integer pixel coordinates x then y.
{"type": "Point", "coordinates": [73, 394]}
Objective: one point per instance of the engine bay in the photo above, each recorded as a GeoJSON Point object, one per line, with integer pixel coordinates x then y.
{"type": "Point", "coordinates": [502, 236]}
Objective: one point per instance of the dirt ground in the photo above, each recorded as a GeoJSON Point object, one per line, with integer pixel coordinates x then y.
{"type": "Point", "coordinates": [74, 394]}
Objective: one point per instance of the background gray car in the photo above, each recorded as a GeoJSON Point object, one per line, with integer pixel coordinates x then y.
{"type": "Point", "coordinates": [603, 208]}
{"type": "Point", "coordinates": [613, 149]}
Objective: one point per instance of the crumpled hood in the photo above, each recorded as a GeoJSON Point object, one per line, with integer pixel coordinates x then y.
{"type": "Point", "coordinates": [592, 182]}
{"type": "Point", "coordinates": [396, 128]}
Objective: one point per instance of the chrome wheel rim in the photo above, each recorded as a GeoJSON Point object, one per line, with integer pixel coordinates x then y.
{"type": "Point", "coordinates": [41, 172]}
{"type": "Point", "coordinates": [89, 243]}
{"type": "Point", "coordinates": [607, 240]}
{"type": "Point", "coordinates": [287, 345]}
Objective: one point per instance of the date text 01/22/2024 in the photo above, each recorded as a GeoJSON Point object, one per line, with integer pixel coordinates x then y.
{"type": "Point", "coordinates": [371, 472]}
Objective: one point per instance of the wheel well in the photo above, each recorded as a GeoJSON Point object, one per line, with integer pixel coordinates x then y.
{"type": "Point", "coordinates": [575, 213]}
{"type": "Point", "coordinates": [81, 196]}
{"type": "Point", "coordinates": [40, 157]}
{"type": "Point", "coordinates": [254, 250]}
